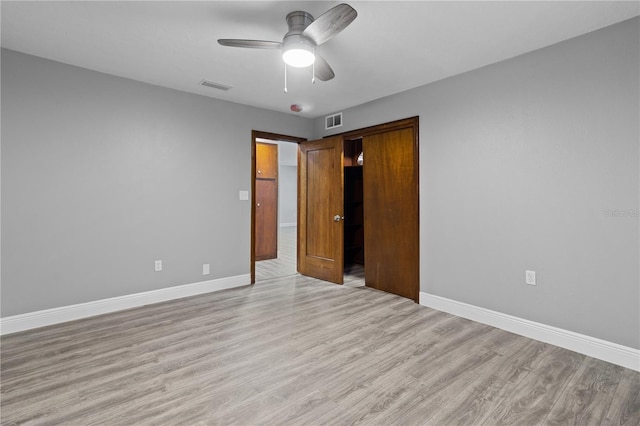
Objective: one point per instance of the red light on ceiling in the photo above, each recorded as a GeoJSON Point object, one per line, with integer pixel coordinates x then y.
{"type": "Point", "coordinates": [296, 108]}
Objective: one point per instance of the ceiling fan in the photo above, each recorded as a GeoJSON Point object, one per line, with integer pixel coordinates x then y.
{"type": "Point", "coordinates": [304, 36]}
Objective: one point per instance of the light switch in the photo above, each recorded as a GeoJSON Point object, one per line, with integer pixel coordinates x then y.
{"type": "Point", "coordinates": [243, 195]}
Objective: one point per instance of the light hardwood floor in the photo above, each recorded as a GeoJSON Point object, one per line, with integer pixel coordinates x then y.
{"type": "Point", "coordinates": [293, 351]}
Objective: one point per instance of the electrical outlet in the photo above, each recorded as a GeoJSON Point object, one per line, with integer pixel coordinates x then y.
{"type": "Point", "coordinates": [530, 277]}
{"type": "Point", "coordinates": [205, 269]}
{"type": "Point", "coordinates": [158, 265]}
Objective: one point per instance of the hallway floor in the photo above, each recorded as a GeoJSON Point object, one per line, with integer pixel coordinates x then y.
{"type": "Point", "coordinates": [285, 264]}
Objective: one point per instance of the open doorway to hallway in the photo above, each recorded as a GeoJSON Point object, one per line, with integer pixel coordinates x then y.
{"type": "Point", "coordinates": [287, 197]}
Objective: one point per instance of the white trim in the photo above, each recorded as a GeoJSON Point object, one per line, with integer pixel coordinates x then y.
{"type": "Point", "coordinates": [83, 310]}
{"type": "Point", "coordinates": [587, 345]}
{"type": "Point", "coordinates": [288, 224]}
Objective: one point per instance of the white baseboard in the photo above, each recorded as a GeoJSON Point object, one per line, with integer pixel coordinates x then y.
{"type": "Point", "coordinates": [83, 310]}
{"type": "Point", "coordinates": [288, 224]}
{"type": "Point", "coordinates": [587, 345]}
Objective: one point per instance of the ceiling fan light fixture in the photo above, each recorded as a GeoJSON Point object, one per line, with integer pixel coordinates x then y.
{"type": "Point", "coordinates": [298, 52]}
{"type": "Point", "coordinates": [298, 58]}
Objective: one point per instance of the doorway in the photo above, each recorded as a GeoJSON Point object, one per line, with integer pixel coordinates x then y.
{"type": "Point", "coordinates": [276, 208]}
{"type": "Point", "coordinates": [279, 184]}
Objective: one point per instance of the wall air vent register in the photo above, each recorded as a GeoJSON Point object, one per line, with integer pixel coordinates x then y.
{"type": "Point", "coordinates": [332, 121]}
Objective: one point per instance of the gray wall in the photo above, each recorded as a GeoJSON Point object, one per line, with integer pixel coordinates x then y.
{"type": "Point", "coordinates": [287, 182]}
{"type": "Point", "coordinates": [288, 194]}
{"type": "Point", "coordinates": [102, 175]}
{"type": "Point", "coordinates": [521, 164]}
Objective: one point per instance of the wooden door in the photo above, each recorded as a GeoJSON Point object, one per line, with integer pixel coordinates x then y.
{"type": "Point", "coordinates": [266, 219]}
{"type": "Point", "coordinates": [266, 161]}
{"type": "Point", "coordinates": [320, 210]}
{"type": "Point", "coordinates": [391, 211]}
{"type": "Point", "coordinates": [266, 197]}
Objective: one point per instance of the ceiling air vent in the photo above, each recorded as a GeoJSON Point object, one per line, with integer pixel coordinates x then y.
{"type": "Point", "coordinates": [214, 85]}
{"type": "Point", "coordinates": [331, 121]}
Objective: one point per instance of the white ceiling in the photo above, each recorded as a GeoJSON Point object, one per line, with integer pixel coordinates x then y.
{"type": "Point", "coordinates": [392, 46]}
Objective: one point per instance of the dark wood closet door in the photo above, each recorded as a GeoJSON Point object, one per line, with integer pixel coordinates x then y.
{"type": "Point", "coordinates": [391, 212]}
{"type": "Point", "coordinates": [320, 210]}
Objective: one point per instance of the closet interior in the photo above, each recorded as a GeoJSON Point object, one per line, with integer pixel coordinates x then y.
{"type": "Point", "coordinates": [353, 203]}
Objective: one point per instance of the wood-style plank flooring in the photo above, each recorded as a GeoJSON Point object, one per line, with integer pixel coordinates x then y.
{"type": "Point", "coordinates": [294, 351]}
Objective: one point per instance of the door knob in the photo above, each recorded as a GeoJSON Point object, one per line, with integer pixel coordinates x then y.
{"type": "Point", "coordinates": [258, 204]}
{"type": "Point", "coordinates": [338, 218]}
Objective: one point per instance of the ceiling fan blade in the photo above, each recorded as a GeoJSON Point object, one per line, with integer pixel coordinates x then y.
{"type": "Point", "coordinates": [330, 23]}
{"type": "Point", "coordinates": [322, 69]}
{"type": "Point", "coordinates": [251, 44]}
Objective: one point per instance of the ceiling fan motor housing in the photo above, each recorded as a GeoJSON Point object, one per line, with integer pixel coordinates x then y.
{"type": "Point", "coordinates": [298, 21]}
